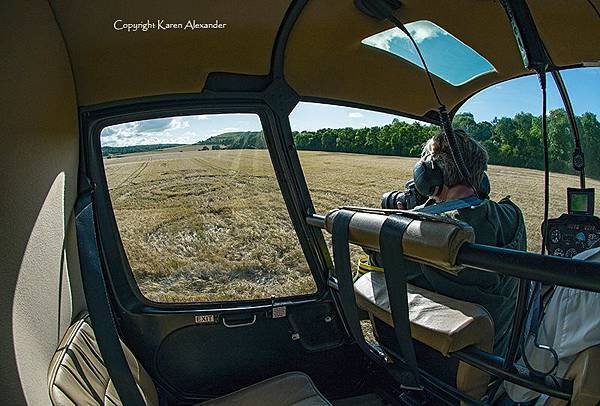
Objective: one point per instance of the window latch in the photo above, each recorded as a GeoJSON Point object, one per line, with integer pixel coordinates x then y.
{"type": "Point", "coordinates": [277, 311]}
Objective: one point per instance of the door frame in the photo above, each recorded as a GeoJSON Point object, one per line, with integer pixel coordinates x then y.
{"type": "Point", "coordinates": [285, 162]}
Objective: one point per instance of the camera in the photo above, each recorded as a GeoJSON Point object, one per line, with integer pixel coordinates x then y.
{"type": "Point", "coordinates": [405, 200]}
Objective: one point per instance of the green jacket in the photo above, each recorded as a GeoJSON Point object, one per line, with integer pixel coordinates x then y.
{"type": "Point", "coordinates": [499, 224]}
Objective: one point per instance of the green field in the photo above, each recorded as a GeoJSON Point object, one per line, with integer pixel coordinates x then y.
{"type": "Point", "coordinates": [212, 225]}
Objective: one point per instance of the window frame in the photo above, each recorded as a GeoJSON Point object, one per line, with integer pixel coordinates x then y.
{"type": "Point", "coordinates": [287, 170]}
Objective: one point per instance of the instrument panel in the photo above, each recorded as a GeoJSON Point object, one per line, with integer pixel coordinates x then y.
{"type": "Point", "coordinates": [571, 234]}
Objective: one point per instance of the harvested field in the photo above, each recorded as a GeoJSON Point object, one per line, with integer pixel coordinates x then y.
{"type": "Point", "coordinates": [212, 225]}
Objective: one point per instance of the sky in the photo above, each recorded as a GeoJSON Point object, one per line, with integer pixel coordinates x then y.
{"type": "Point", "coordinates": [523, 94]}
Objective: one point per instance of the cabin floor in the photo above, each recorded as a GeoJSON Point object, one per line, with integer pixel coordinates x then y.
{"type": "Point", "coordinates": [370, 399]}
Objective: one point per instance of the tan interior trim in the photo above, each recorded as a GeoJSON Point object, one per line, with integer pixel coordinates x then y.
{"type": "Point", "coordinates": [110, 64]}
{"type": "Point", "coordinates": [431, 240]}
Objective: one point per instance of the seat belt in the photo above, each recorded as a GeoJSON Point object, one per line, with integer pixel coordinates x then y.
{"type": "Point", "coordinates": [394, 267]}
{"type": "Point", "coordinates": [450, 205]}
{"type": "Point", "coordinates": [408, 379]}
{"type": "Point", "coordinates": [343, 274]}
{"type": "Point", "coordinates": [98, 302]}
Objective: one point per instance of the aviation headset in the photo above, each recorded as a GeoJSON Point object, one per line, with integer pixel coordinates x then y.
{"type": "Point", "coordinates": [429, 179]}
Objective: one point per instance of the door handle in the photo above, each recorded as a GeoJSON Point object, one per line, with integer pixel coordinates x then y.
{"type": "Point", "coordinates": [239, 323]}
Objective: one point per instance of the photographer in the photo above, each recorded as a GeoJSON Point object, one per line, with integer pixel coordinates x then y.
{"type": "Point", "coordinates": [495, 223]}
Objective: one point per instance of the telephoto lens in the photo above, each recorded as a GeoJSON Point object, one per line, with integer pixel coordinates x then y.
{"type": "Point", "coordinates": [390, 200]}
{"type": "Point", "coordinates": [404, 200]}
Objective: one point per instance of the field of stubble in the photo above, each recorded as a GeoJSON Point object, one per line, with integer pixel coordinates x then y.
{"type": "Point", "coordinates": [211, 225]}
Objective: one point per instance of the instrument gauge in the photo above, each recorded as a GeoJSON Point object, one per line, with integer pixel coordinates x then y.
{"type": "Point", "coordinates": [571, 252]}
{"type": "Point", "coordinates": [555, 236]}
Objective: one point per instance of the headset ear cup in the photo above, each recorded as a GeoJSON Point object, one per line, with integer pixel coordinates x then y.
{"type": "Point", "coordinates": [428, 178]}
{"type": "Point", "coordinates": [484, 187]}
{"type": "Point", "coordinates": [437, 179]}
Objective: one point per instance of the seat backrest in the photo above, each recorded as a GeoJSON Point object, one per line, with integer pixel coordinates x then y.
{"type": "Point", "coordinates": [78, 376]}
{"type": "Point", "coordinates": [443, 323]}
{"type": "Point", "coordinates": [440, 322]}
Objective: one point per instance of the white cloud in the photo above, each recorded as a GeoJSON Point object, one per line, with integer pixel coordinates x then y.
{"type": "Point", "coordinates": [422, 30]}
{"type": "Point", "coordinates": [419, 30]}
{"type": "Point", "coordinates": [202, 117]}
{"type": "Point", "coordinates": [179, 122]}
{"type": "Point", "coordinates": [155, 131]}
{"type": "Point", "coordinates": [157, 125]}
{"type": "Point", "coordinates": [228, 130]}
{"type": "Point", "coordinates": [355, 115]}
{"type": "Point", "coordinates": [383, 40]}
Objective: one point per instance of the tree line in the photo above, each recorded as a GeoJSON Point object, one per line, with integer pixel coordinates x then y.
{"type": "Point", "coordinates": [108, 151]}
{"type": "Point", "coordinates": [515, 141]}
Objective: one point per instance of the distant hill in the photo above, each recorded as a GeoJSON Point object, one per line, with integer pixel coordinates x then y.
{"type": "Point", "coordinates": [231, 140]}
{"type": "Point", "coordinates": [106, 151]}
{"type": "Point", "coordinates": [238, 140]}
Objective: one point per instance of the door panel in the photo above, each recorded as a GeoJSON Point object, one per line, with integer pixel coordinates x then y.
{"type": "Point", "coordinates": [208, 360]}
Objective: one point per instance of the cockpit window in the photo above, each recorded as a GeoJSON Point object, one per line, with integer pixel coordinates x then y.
{"type": "Point", "coordinates": [199, 210]}
{"type": "Point", "coordinates": [447, 57]}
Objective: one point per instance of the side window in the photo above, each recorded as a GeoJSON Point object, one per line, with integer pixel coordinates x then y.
{"type": "Point", "coordinates": [506, 119]}
{"type": "Point", "coordinates": [200, 212]}
{"type": "Point", "coordinates": [352, 156]}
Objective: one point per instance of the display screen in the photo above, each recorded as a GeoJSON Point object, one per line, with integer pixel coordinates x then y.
{"type": "Point", "coordinates": [579, 202]}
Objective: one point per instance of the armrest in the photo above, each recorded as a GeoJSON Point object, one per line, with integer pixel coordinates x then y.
{"type": "Point", "coordinates": [428, 239]}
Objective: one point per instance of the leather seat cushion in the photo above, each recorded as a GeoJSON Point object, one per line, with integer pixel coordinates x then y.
{"type": "Point", "coordinates": [442, 323]}
{"type": "Point", "coordinates": [585, 374]}
{"type": "Point", "coordinates": [78, 376]}
{"type": "Point", "coordinates": [289, 389]}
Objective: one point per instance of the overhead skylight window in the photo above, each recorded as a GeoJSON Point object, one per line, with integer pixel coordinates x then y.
{"type": "Point", "coordinates": [446, 56]}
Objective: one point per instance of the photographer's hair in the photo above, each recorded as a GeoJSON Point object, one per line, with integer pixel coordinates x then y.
{"type": "Point", "coordinates": [474, 155]}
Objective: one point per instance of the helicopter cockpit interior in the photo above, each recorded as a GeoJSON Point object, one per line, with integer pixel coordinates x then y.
{"type": "Point", "coordinates": [144, 264]}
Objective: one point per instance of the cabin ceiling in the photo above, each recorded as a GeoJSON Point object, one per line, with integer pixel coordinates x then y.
{"type": "Point", "coordinates": [324, 56]}
{"type": "Point", "coordinates": [111, 65]}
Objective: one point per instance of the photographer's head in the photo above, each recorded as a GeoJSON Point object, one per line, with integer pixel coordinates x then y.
{"type": "Point", "coordinates": [437, 175]}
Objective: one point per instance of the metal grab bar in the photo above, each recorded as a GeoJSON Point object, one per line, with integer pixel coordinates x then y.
{"type": "Point", "coordinates": [239, 324]}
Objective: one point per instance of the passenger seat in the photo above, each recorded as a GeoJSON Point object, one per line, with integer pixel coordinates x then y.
{"type": "Point", "coordinates": [440, 323]}
{"type": "Point", "coordinates": [78, 376]}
